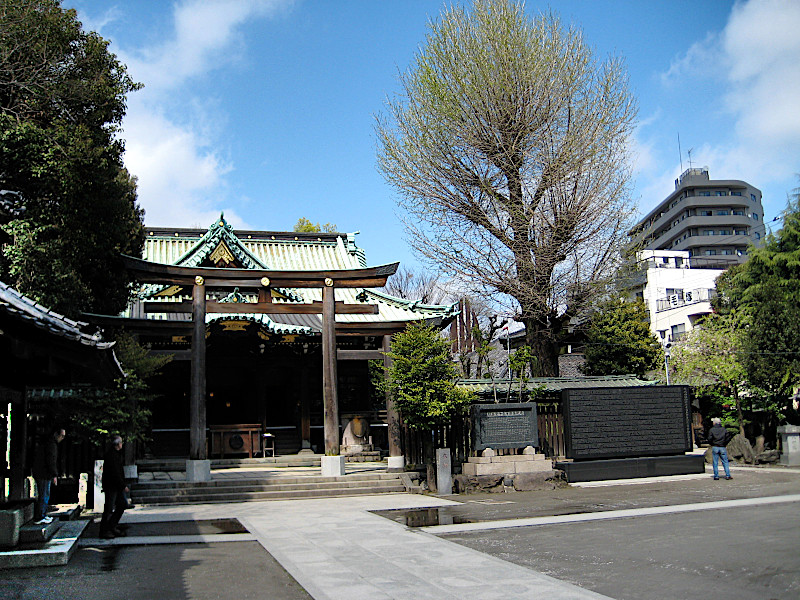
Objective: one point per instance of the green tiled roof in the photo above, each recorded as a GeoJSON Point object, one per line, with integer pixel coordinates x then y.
{"type": "Point", "coordinates": [288, 251]}
{"type": "Point", "coordinates": [483, 387]}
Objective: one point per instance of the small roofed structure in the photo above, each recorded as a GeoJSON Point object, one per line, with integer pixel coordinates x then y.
{"type": "Point", "coordinates": [41, 348]}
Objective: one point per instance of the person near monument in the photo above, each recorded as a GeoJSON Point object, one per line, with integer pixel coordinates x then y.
{"type": "Point", "coordinates": [114, 489]}
{"type": "Point", "coordinates": [718, 437]}
{"type": "Point", "coordinates": [45, 472]}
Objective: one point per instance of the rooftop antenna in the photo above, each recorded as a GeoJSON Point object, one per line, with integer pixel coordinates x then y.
{"type": "Point", "coordinates": [689, 152]}
{"type": "Point", "coordinates": [680, 154]}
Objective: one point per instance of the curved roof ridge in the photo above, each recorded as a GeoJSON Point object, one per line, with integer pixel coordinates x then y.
{"type": "Point", "coordinates": [411, 304]}
{"type": "Point", "coordinates": [220, 230]}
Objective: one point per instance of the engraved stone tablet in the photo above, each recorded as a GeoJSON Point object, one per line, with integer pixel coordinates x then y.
{"type": "Point", "coordinates": [511, 425]}
{"type": "Point", "coordinates": [627, 422]}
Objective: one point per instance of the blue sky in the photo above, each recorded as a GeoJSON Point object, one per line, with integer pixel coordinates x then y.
{"type": "Point", "coordinates": [264, 109]}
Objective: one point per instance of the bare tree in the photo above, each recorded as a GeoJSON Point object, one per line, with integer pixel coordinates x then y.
{"type": "Point", "coordinates": [421, 286]}
{"type": "Point", "coordinates": [508, 146]}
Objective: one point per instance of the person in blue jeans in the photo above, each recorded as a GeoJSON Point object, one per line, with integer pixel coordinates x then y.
{"type": "Point", "coordinates": [45, 472]}
{"type": "Point", "coordinates": [718, 438]}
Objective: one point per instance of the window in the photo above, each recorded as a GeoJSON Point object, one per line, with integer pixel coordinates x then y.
{"type": "Point", "coordinates": [724, 231]}
{"type": "Point", "coordinates": [753, 197]}
{"type": "Point", "coordinates": [755, 216]}
{"type": "Point", "coordinates": [678, 329]}
{"type": "Point", "coordinates": [736, 193]}
{"type": "Point", "coordinates": [710, 252]}
{"type": "Point", "coordinates": [757, 236]}
{"type": "Point", "coordinates": [678, 262]}
{"type": "Point", "coordinates": [726, 252]}
{"type": "Point", "coordinates": [738, 212]}
{"type": "Point", "coordinates": [706, 213]}
{"type": "Point", "coordinates": [675, 292]}
{"type": "Point", "coordinates": [740, 231]}
{"type": "Point", "coordinates": [718, 193]}
{"type": "Point", "coordinates": [704, 193]}
{"type": "Point", "coordinates": [723, 212]}
{"type": "Point", "coordinates": [708, 232]}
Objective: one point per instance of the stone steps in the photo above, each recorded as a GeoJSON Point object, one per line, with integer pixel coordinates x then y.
{"type": "Point", "coordinates": [243, 490]}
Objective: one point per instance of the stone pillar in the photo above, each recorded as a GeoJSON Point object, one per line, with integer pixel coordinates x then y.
{"type": "Point", "coordinates": [444, 471]}
{"type": "Point", "coordinates": [329, 389]}
{"type": "Point", "coordinates": [18, 420]}
{"type": "Point", "coordinates": [396, 458]}
{"type": "Point", "coordinates": [790, 445]}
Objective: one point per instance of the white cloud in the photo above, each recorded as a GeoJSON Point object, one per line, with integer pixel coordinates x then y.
{"type": "Point", "coordinates": [754, 64]}
{"type": "Point", "coordinates": [173, 140]}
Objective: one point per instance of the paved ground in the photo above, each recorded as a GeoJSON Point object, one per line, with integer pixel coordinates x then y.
{"type": "Point", "coordinates": [678, 538]}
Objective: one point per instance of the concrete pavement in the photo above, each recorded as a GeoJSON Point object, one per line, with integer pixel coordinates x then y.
{"type": "Point", "coordinates": [635, 540]}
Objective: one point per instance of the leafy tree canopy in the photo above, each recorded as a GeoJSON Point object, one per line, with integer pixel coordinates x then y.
{"type": "Point", "coordinates": [69, 206]}
{"type": "Point", "coordinates": [765, 291]}
{"type": "Point", "coordinates": [303, 225]}
{"type": "Point", "coordinates": [422, 379]}
{"type": "Point", "coordinates": [507, 146]}
{"type": "Point", "coordinates": [619, 340]}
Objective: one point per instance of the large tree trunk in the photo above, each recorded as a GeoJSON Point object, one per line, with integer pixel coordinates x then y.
{"type": "Point", "coordinates": [543, 347]}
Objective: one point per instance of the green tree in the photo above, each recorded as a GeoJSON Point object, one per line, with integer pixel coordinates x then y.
{"type": "Point", "coordinates": [766, 292]}
{"type": "Point", "coordinates": [303, 225]}
{"type": "Point", "coordinates": [422, 379]}
{"type": "Point", "coordinates": [619, 340]}
{"type": "Point", "coordinates": [69, 206]}
{"type": "Point", "coordinates": [708, 357]}
{"type": "Point", "coordinates": [124, 407]}
{"type": "Point", "coordinates": [507, 146]}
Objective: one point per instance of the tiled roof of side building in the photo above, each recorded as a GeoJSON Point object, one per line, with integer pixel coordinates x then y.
{"type": "Point", "coordinates": [20, 307]}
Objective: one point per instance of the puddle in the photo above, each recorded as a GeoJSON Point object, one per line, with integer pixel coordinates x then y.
{"type": "Point", "coordinates": [424, 517]}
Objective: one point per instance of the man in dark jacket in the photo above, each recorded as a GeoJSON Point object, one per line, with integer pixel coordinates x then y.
{"type": "Point", "coordinates": [718, 438]}
{"type": "Point", "coordinates": [114, 489]}
{"type": "Point", "coordinates": [45, 472]}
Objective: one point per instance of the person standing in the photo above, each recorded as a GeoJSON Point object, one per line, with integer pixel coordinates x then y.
{"type": "Point", "coordinates": [45, 472]}
{"type": "Point", "coordinates": [718, 438]}
{"type": "Point", "coordinates": [114, 489]}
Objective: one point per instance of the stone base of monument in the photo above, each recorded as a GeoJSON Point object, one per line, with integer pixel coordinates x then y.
{"type": "Point", "coordinates": [506, 465]}
{"type": "Point", "coordinates": [360, 453]}
{"type": "Point", "coordinates": [632, 468]}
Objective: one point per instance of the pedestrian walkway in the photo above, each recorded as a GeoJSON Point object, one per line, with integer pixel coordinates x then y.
{"type": "Point", "coordinates": [337, 549]}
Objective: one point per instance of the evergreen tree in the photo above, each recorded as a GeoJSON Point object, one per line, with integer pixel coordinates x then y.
{"type": "Point", "coordinates": [619, 340]}
{"type": "Point", "coordinates": [422, 379]}
{"type": "Point", "coordinates": [68, 206]}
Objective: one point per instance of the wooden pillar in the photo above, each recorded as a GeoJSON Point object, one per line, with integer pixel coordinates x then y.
{"type": "Point", "coordinates": [392, 418]}
{"type": "Point", "coordinates": [305, 405]}
{"type": "Point", "coordinates": [18, 424]}
{"type": "Point", "coordinates": [197, 398]}
{"type": "Point", "coordinates": [329, 391]}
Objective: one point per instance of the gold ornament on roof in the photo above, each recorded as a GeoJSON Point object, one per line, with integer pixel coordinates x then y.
{"type": "Point", "coordinates": [222, 255]}
{"type": "Point", "coordinates": [265, 281]}
{"type": "Point", "coordinates": [329, 282]}
{"type": "Point", "coordinates": [199, 280]}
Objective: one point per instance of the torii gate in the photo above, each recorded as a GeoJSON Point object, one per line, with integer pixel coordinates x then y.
{"type": "Point", "coordinates": [201, 278]}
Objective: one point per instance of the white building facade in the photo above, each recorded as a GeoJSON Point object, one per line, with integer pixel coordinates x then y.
{"type": "Point", "coordinates": [676, 289]}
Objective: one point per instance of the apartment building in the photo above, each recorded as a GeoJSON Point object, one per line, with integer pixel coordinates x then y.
{"type": "Point", "coordinates": [713, 220]}
{"type": "Point", "coordinates": [677, 293]}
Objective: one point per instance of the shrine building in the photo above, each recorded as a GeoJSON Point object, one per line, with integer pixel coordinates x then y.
{"type": "Point", "coordinates": [263, 302]}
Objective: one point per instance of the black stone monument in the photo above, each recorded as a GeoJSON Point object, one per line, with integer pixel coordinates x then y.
{"type": "Point", "coordinates": [628, 432]}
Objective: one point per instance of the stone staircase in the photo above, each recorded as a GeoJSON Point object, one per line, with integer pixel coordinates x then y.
{"type": "Point", "coordinates": [163, 492]}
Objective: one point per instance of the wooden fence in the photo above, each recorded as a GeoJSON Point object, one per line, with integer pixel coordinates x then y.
{"type": "Point", "coordinates": [458, 437]}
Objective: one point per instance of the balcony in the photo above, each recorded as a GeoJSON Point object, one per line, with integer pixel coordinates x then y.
{"type": "Point", "coordinates": [686, 299]}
